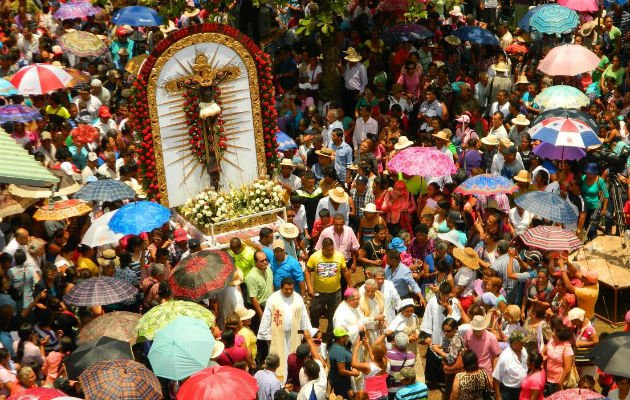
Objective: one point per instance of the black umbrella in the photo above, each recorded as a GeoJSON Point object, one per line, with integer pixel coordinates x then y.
{"type": "Point", "coordinates": [567, 113]}
{"type": "Point", "coordinates": [612, 354]}
{"type": "Point", "coordinates": [103, 349]}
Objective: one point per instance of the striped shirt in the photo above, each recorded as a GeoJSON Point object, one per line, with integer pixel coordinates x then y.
{"type": "Point", "coordinates": [397, 360]}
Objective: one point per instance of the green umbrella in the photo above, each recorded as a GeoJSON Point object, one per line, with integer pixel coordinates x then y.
{"type": "Point", "coordinates": [181, 348]}
{"type": "Point", "coordinates": [159, 316]}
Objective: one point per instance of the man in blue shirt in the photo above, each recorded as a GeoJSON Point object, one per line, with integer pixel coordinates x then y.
{"type": "Point", "coordinates": [413, 390]}
{"type": "Point", "coordinates": [400, 275]}
{"type": "Point", "coordinates": [284, 265]}
{"type": "Point", "coordinates": [343, 154]}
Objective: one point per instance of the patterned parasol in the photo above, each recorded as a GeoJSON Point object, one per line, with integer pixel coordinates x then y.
{"type": "Point", "coordinates": [551, 238]}
{"type": "Point", "coordinates": [11, 205]}
{"type": "Point", "coordinates": [119, 325]}
{"type": "Point", "coordinates": [105, 190]}
{"type": "Point", "coordinates": [100, 291]}
{"type": "Point", "coordinates": [83, 44]}
{"type": "Point", "coordinates": [157, 317]}
{"type": "Point", "coordinates": [61, 210]}
{"type": "Point", "coordinates": [18, 113]}
{"type": "Point", "coordinates": [487, 185]}
{"type": "Point", "coordinates": [561, 131]}
{"type": "Point", "coordinates": [39, 393]}
{"type": "Point", "coordinates": [575, 394]}
{"type": "Point", "coordinates": [200, 274]}
{"type": "Point", "coordinates": [120, 379]}
{"type": "Point", "coordinates": [554, 19]}
{"type": "Point", "coordinates": [547, 205]}
{"type": "Point", "coordinates": [422, 161]}
{"type": "Point", "coordinates": [561, 96]}
{"type": "Point", "coordinates": [74, 10]}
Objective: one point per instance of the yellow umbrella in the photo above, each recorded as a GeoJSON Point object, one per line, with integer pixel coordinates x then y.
{"type": "Point", "coordinates": [62, 210]}
{"type": "Point", "coordinates": [67, 186]}
{"type": "Point", "coordinates": [83, 44]}
{"type": "Point", "coordinates": [134, 65]}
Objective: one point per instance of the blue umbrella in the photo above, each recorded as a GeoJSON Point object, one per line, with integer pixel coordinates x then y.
{"type": "Point", "coordinates": [554, 19]}
{"type": "Point", "coordinates": [6, 88]}
{"type": "Point", "coordinates": [475, 34]}
{"type": "Point", "coordinates": [486, 185]}
{"type": "Point", "coordinates": [524, 22]}
{"type": "Point", "coordinates": [285, 142]}
{"type": "Point", "coordinates": [137, 16]}
{"type": "Point", "coordinates": [105, 190]}
{"type": "Point", "coordinates": [18, 113]}
{"type": "Point", "coordinates": [406, 33]}
{"type": "Point", "coordinates": [138, 217]}
{"type": "Point", "coordinates": [547, 205]}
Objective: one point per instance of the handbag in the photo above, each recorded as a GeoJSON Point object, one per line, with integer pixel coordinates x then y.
{"type": "Point", "coordinates": [488, 392]}
{"type": "Point", "coordinates": [572, 378]}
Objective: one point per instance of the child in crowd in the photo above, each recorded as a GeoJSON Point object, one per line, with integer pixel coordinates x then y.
{"type": "Point", "coordinates": [324, 221]}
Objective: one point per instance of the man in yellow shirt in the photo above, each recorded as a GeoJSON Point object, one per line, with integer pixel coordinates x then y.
{"type": "Point", "coordinates": [324, 287]}
{"type": "Point", "coordinates": [587, 294]}
{"type": "Point", "coordinates": [242, 254]}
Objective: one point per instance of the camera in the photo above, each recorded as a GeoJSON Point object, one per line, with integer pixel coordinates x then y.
{"type": "Point", "coordinates": [607, 159]}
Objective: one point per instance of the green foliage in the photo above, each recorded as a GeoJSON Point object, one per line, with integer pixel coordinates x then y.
{"type": "Point", "coordinates": [416, 11]}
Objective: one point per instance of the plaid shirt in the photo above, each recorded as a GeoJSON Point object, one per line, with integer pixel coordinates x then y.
{"type": "Point", "coordinates": [360, 200]}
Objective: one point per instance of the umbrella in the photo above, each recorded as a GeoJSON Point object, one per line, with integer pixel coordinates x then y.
{"type": "Point", "coordinates": [67, 186]}
{"type": "Point", "coordinates": [120, 379]}
{"type": "Point", "coordinates": [138, 217]}
{"type": "Point", "coordinates": [78, 77]}
{"type": "Point", "coordinates": [40, 393]}
{"type": "Point", "coordinates": [394, 6]}
{"type": "Point", "coordinates": [120, 325]}
{"type": "Point", "coordinates": [11, 205]}
{"type": "Point", "coordinates": [137, 16]}
{"type": "Point", "coordinates": [561, 131]}
{"type": "Point", "coordinates": [18, 113]}
{"type": "Point", "coordinates": [422, 161]}
{"type": "Point", "coordinates": [524, 22]}
{"type": "Point", "coordinates": [554, 19]}
{"type": "Point", "coordinates": [201, 274]}
{"type": "Point", "coordinates": [547, 205]}
{"type": "Point", "coordinates": [99, 234]}
{"type": "Point", "coordinates": [181, 348]}
{"type": "Point", "coordinates": [612, 353]}
{"type": "Point", "coordinates": [567, 113]}
{"type": "Point", "coordinates": [40, 79]}
{"type": "Point", "coordinates": [6, 88]}
{"type": "Point", "coordinates": [406, 33]}
{"type": "Point", "coordinates": [100, 291]}
{"type": "Point", "coordinates": [105, 190]}
{"type": "Point", "coordinates": [580, 5]}
{"type": "Point", "coordinates": [285, 142]}
{"type": "Point", "coordinates": [74, 10]}
{"type": "Point", "coordinates": [551, 152]}
{"type": "Point", "coordinates": [561, 96]}
{"type": "Point", "coordinates": [575, 394]}
{"type": "Point", "coordinates": [61, 210]}
{"type": "Point", "coordinates": [475, 34]}
{"type": "Point", "coordinates": [218, 383]}
{"type": "Point", "coordinates": [487, 185]}
{"type": "Point", "coordinates": [135, 63]}
{"type": "Point", "coordinates": [83, 44]}
{"type": "Point", "coordinates": [561, 60]}
{"type": "Point", "coordinates": [84, 134]}
{"type": "Point", "coordinates": [157, 317]}
{"type": "Point", "coordinates": [551, 238]}
{"type": "Point", "coordinates": [105, 348]}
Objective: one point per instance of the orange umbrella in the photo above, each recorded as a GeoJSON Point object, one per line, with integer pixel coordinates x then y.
{"type": "Point", "coordinates": [62, 210]}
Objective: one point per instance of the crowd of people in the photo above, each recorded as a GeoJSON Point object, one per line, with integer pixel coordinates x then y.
{"type": "Point", "coordinates": [385, 285]}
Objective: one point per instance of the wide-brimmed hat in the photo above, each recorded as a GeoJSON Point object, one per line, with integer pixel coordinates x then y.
{"type": "Point", "coordinates": [479, 323]}
{"type": "Point", "coordinates": [403, 143]}
{"type": "Point", "coordinates": [576, 313]}
{"type": "Point", "coordinates": [289, 230]}
{"type": "Point", "coordinates": [286, 162]}
{"type": "Point", "coordinates": [244, 313]}
{"type": "Point", "coordinates": [352, 55]}
{"type": "Point", "coordinates": [191, 13]}
{"type": "Point", "coordinates": [522, 79]}
{"type": "Point", "coordinates": [217, 349]}
{"type": "Point", "coordinates": [468, 257]}
{"type": "Point", "coordinates": [107, 256]}
{"type": "Point", "coordinates": [501, 66]}
{"type": "Point", "coordinates": [325, 152]}
{"type": "Point", "coordinates": [452, 237]}
{"type": "Point", "coordinates": [523, 176]}
{"type": "Point", "coordinates": [237, 278]}
{"type": "Point", "coordinates": [397, 244]}
{"type": "Point", "coordinates": [444, 134]}
{"type": "Point", "coordinates": [453, 40]}
{"type": "Point", "coordinates": [369, 208]}
{"type": "Point", "coordinates": [520, 120]}
{"type": "Point", "coordinates": [505, 142]}
{"type": "Point", "coordinates": [587, 27]}
{"type": "Point", "coordinates": [338, 195]}
{"type": "Point", "coordinates": [456, 11]}
{"type": "Point", "coordinates": [490, 140]}
{"type": "Point", "coordinates": [166, 29]}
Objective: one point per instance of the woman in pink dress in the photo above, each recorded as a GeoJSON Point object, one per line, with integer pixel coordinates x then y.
{"type": "Point", "coordinates": [533, 386]}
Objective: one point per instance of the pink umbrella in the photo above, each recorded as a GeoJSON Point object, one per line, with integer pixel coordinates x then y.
{"type": "Point", "coordinates": [569, 59]}
{"type": "Point", "coordinates": [40, 79]}
{"type": "Point", "coordinates": [40, 393]}
{"type": "Point", "coordinates": [575, 394]}
{"type": "Point", "coordinates": [422, 161]}
{"type": "Point", "coordinates": [580, 5]}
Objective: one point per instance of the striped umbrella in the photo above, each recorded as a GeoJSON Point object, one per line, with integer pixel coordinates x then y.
{"type": "Point", "coordinates": [40, 79]}
{"type": "Point", "coordinates": [554, 19]}
{"type": "Point", "coordinates": [105, 190]}
{"type": "Point", "coordinates": [487, 185]}
{"type": "Point", "coordinates": [6, 88]}
{"type": "Point", "coordinates": [547, 205]}
{"type": "Point", "coordinates": [100, 291]}
{"type": "Point", "coordinates": [83, 44]}
{"type": "Point", "coordinates": [551, 238]}
{"type": "Point", "coordinates": [561, 131]}
{"type": "Point", "coordinates": [18, 113]}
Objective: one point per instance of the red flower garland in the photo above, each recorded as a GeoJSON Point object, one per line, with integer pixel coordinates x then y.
{"type": "Point", "coordinates": [141, 122]}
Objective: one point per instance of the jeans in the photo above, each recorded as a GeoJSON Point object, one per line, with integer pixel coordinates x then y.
{"type": "Point", "coordinates": [509, 393]}
{"type": "Point", "coordinates": [325, 302]}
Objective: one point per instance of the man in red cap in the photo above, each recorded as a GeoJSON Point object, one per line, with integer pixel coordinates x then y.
{"type": "Point", "coordinates": [179, 246]}
{"type": "Point", "coordinates": [122, 41]}
{"type": "Point", "coordinates": [105, 122]}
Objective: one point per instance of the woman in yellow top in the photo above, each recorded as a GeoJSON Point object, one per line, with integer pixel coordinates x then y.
{"type": "Point", "coordinates": [86, 253]}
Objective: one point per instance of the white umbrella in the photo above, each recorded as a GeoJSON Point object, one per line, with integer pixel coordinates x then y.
{"type": "Point", "coordinates": [99, 234]}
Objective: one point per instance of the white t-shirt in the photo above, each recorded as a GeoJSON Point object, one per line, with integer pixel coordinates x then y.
{"type": "Point", "coordinates": [465, 277]}
{"type": "Point", "coordinates": [320, 384]}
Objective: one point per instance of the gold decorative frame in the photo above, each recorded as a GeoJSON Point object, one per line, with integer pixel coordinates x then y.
{"type": "Point", "coordinates": [152, 87]}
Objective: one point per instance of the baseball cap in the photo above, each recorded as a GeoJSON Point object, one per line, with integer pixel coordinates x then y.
{"type": "Point", "coordinates": [180, 235]}
{"type": "Point", "coordinates": [103, 112]}
{"type": "Point", "coordinates": [46, 135]}
{"type": "Point", "coordinates": [92, 156]}
{"type": "Point", "coordinates": [340, 331]}
{"type": "Point", "coordinates": [362, 179]}
{"type": "Point", "coordinates": [277, 244]}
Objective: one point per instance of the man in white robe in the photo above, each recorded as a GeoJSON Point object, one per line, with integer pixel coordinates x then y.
{"type": "Point", "coordinates": [390, 295]}
{"type": "Point", "coordinates": [285, 314]}
{"type": "Point", "coordinates": [348, 315]}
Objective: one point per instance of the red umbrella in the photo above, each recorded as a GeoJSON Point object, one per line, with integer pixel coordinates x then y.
{"type": "Point", "coordinates": [84, 134]}
{"type": "Point", "coordinates": [219, 383]}
{"type": "Point", "coordinates": [551, 238]}
{"type": "Point", "coordinates": [575, 394]}
{"type": "Point", "coordinates": [40, 79]}
{"type": "Point", "coordinates": [200, 274]}
{"type": "Point", "coordinates": [41, 393]}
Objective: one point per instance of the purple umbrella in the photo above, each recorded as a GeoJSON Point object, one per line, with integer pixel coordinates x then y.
{"type": "Point", "coordinates": [75, 9]}
{"type": "Point", "coordinates": [18, 113]}
{"type": "Point", "coordinates": [551, 152]}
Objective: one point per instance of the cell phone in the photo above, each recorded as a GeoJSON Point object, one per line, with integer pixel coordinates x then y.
{"type": "Point", "coordinates": [362, 335]}
{"type": "Point", "coordinates": [301, 331]}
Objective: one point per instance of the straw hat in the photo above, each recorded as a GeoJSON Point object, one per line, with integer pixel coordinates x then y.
{"type": "Point", "coordinates": [370, 208]}
{"type": "Point", "coordinates": [520, 120]}
{"type": "Point", "coordinates": [468, 257]}
{"type": "Point", "coordinates": [191, 13]}
{"type": "Point", "coordinates": [352, 55]}
{"type": "Point", "coordinates": [523, 176]}
{"type": "Point", "coordinates": [490, 140]}
{"type": "Point", "coordinates": [479, 323]}
{"type": "Point", "coordinates": [456, 11]}
{"type": "Point", "coordinates": [522, 79]}
{"type": "Point", "coordinates": [109, 255]}
{"type": "Point", "coordinates": [244, 313]}
{"type": "Point", "coordinates": [444, 134]}
{"type": "Point", "coordinates": [166, 29]}
{"type": "Point", "coordinates": [288, 230]}
{"type": "Point", "coordinates": [286, 162]}
{"type": "Point", "coordinates": [325, 152]}
{"type": "Point", "coordinates": [587, 28]}
{"type": "Point", "coordinates": [403, 143]}
{"type": "Point", "coordinates": [338, 195]}
{"type": "Point", "coordinates": [505, 142]}
{"type": "Point", "coordinates": [453, 40]}
{"type": "Point", "coordinates": [576, 313]}
{"type": "Point", "coordinates": [501, 66]}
